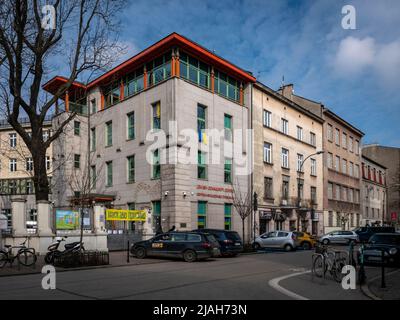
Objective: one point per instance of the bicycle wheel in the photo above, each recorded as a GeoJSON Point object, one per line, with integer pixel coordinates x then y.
{"type": "Point", "coordinates": [318, 267]}
{"type": "Point", "coordinates": [3, 259]}
{"type": "Point", "coordinates": [337, 269]}
{"type": "Point", "coordinates": [27, 257]}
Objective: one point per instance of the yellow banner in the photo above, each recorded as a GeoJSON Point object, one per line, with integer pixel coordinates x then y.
{"type": "Point", "coordinates": [125, 215]}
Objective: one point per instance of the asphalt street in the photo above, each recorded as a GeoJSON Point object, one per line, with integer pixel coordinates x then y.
{"type": "Point", "coordinates": [247, 277]}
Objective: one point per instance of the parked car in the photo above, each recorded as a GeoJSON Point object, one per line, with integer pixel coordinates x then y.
{"type": "Point", "coordinates": [190, 246]}
{"type": "Point", "coordinates": [389, 243]}
{"type": "Point", "coordinates": [277, 239]}
{"type": "Point", "coordinates": [305, 240]}
{"type": "Point", "coordinates": [339, 237]}
{"type": "Point", "coordinates": [365, 233]}
{"type": "Point", "coordinates": [230, 242]}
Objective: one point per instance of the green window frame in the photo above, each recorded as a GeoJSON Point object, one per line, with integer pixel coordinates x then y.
{"type": "Point", "coordinates": [134, 82]}
{"type": "Point", "coordinates": [109, 134]}
{"type": "Point", "coordinates": [131, 126]}
{"type": "Point", "coordinates": [93, 176]}
{"type": "Point", "coordinates": [228, 171]}
{"type": "Point", "coordinates": [226, 86]}
{"type": "Point", "coordinates": [131, 168]}
{"type": "Point", "coordinates": [77, 161]}
{"type": "Point", "coordinates": [77, 128]}
{"type": "Point", "coordinates": [112, 95]}
{"type": "Point", "coordinates": [195, 70]}
{"type": "Point", "coordinates": [156, 170]}
{"type": "Point", "coordinates": [201, 166]}
{"type": "Point", "coordinates": [201, 214]}
{"type": "Point", "coordinates": [93, 139]}
{"type": "Point", "coordinates": [228, 127]}
{"type": "Point", "coordinates": [156, 115]}
{"type": "Point", "coordinates": [201, 120]}
{"type": "Point", "coordinates": [228, 216]}
{"type": "Point", "coordinates": [109, 169]}
{"type": "Point", "coordinates": [156, 207]}
{"type": "Point", "coordinates": [159, 69]}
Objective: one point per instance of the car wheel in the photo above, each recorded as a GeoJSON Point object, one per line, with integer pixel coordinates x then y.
{"type": "Point", "coordinates": [140, 253]}
{"type": "Point", "coordinates": [256, 246]}
{"type": "Point", "coordinates": [288, 248]}
{"type": "Point", "coordinates": [306, 245]}
{"type": "Point", "coordinates": [325, 242]}
{"type": "Point", "coordinates": [189, 256]}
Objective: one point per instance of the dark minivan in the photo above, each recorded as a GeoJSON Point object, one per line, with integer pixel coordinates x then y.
{"type": "Point", "coordinates": [389, 243]}
{"type": "Point", "coordinates": [365, 233]}
{"type": "Point", "coordinates": [230, 242]}
{"type": "Point", "coordinates": [190, 246]}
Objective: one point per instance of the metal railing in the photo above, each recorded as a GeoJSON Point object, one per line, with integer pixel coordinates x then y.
{"type": "Point", "coordinates": [24, 121]}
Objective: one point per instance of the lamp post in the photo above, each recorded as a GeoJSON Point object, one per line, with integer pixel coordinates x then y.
{"type": "Point", "coordinates": [299, 172]}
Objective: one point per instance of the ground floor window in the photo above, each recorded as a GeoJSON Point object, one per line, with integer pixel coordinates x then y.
{"type": "Point", "coordinates": [201, 214]}
{"type": "Point", "coordinates": [31, 220]}
{"type": "Point", "coordinates": [7, 213]}
{"type": "Point", "coordinates": [156, 208]}
{"type": "Point", "coordinates": [228, 216]}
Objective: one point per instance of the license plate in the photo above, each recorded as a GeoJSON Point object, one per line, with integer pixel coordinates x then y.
{"type": "Point", "coordinates": [238, 244]}
{"type": "Point", "coordinates": [375, 259]}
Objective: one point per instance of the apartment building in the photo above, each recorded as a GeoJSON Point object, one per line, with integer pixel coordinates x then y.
{"type": "Point", "coordinates": [374, 193]}
{"type": "Point", "coordinates": [288, 165]}
{"type": "Point", "coordinates": [173, 90]}
{"type": "Point", "coordinates": [16, 171]}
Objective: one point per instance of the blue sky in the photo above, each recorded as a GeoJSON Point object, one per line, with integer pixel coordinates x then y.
{"type": "Point", "coordinates": [356, 73]}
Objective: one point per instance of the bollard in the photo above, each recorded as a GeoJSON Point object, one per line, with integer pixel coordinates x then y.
{"type": "Point", "coordinates": [127, 254]}
{"type": "Point", "coordinates": [383, 283]}
{"type": "Point", "coordinates": [361, 272]}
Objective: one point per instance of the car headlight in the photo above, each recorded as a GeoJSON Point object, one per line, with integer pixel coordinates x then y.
{"type": "Point", "coordinates": [393, 251]}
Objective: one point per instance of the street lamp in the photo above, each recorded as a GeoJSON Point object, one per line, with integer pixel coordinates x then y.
{"type": "Point", "coordinates": [298, 179]}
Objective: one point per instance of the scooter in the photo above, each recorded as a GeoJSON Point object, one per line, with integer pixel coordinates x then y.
{"type": "Point", "coordinates": [54, 252]}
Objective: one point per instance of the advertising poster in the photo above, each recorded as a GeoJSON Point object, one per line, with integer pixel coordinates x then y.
{"type": "Point", "coordinates": [67, 220]}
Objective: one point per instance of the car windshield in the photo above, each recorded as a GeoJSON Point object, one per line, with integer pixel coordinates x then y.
{"type": "Point", "coordinates": [385, 239]}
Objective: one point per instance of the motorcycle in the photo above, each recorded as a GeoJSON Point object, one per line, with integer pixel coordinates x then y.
{"type": "Point", "coordinates": [54, 252]}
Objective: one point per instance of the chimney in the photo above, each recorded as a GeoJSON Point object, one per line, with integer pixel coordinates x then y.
{"type": "Point", "coordinates": [287, 91]}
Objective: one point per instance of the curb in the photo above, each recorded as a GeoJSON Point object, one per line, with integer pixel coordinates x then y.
{"type": "Point", "coordinates": [368, 293]}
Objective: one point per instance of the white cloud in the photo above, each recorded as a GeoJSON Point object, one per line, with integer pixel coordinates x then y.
{"type": "Point", "coordinates": [387, 62]}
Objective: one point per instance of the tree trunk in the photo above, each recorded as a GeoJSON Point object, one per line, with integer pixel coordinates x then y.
{"type": "Point", "coordinates": [40, 180]}
{"type": "Point", "coordinates": [243, 231]}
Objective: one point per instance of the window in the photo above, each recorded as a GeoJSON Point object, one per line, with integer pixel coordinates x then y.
{"type": "Point", "coordinates": [93, 139]}
{"type": "Point", "coordinates": [131, 126]}
{"type": "Point", "coordinates": [313, 195]}
{"type": "Point", "coordinates": [93, 105]}
{"type": "Point", "coordinates": [109, 174]}
{"type": "Point", "coordinates": [351, 169]}
{"type": "Point", "coordinates": [45, 135]}
{"type": "Point", "coordinates": [357, 147]}
{"type": "Point", "coordinates": [301, 188]}
{"type": "Point", "coordinates": [156, 172]}
{"type": "Point", "coordinates": [330, 190]}
{"type": "Point", "coordinates": [156, 109]}
{"type": "Point", "coordinates": [195, 71]}
{"type": "Point", "coordinates": [267, 119]}
{"type": "Point", "coordinates": [226, 86]}
{"type": "Point", "coordinates": [330, 160]}
{"type": "Point", "coordinates": [351, 144]}
{"type": "Point", "coordinates": [344, 140]}
{"type": "Point", "coordinates": [13, 165]}
{"type": "Point", "coordinates": [131, 169]}
{"type": "Point", "coordinates": [201, 166]}
{"type": "Point", "coordinates": [357, 171]}
{"type": "Point", "coordinates": [267, 152]}
{"type": "Point", "coordinates": [268, 188]}
{"type": "Point", "coordinates": [344, 194]}
{"type": "Point", "coordinates": [109, 134]}
{"type": "Point", "coordinates": [29, 164]}
{"type": "Point", "coordinates": [330, 219]}
{"type": "Point", "coordinates": [77, 128]}
{"type": "Point", "coordinates": [134, 82]}
{"type": "Point", "coordinates": [338, 192]}
{"type": "Point", "coordinates": [228, 171]}
{"type": "Point", "coordinates": [285, 158]}
{"type": "Point", "coordinates": [338, 219]}
{"type": "Point", "coordinates": [93, 176]}
{"type": "Point", "coordinates": [313, 167]}
{"type": "Point", "coordinates": [300, 162]}
{"type": "Point", "coordinates": [201, 214]}
{"type": "Point", "coordinates": [330, 132]}
{"type": "Point", "coordinates": [201, 121]}
{"type": "Point", "coordinates": [13, 140]}
{"type": "Point", "coordinates": [313, 139]}
{"type": "Point", "coordinates": [284, 126]}
{"type": "Point", "coordinates": [337, 137]}
{"type": "Point", "coordinates": [156, 208]}
{"type": "Point", "coordinates": [159, 69]}
{"type": "Point", "coordinates": [48, 163]}
{"type": "Point", "coordinates": [285, 187]}
{"type": "Point", "coordinates": [344, 166]}
{"type": "Point", "coordinates": [228, 216]}
{"type": "Point", "coordinates": [357, 196]}
{"type": "Point", "coordinates": [228, 127]}
{"type": "Point", "coordinates": [77, 161]}
{"type": "Point", "coordinates": [112, 95]}
{"type": "Point", "coordinates": [337, 164]}
{"type": "Point", "coordinates": [300, 133]}
{"type": "Point", "coordinates": [350, 196]}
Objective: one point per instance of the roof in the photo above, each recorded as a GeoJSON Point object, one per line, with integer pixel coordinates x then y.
{"type": "Point", "coordinates": [347, 124]}
{"type": "Point", "coordinates": [152, 52]}
{"type": "Point", "coordinates": [374, 162]}
{"type": "Point", "coordinates": [289, 102]}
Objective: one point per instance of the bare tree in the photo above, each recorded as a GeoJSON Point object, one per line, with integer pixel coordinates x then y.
{"type": "Point", "coordinates": [84, 35]}
{"type": "Point", "coordinates": [243, 203]}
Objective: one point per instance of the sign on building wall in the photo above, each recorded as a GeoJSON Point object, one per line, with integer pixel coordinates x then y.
{"type": "Point", "coordinates": [67, 220]}
{"type": "Point", "coordinates": [125, 215]}
{"type": "Point", "coordinates": [394, 216]}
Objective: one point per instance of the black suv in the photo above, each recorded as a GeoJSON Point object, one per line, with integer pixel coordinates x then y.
{"type": "Point", "coordinates": [365, 233]}
{"type": "Point", "coordinates": [389, 243]}
{"type": "Point", "coordinates": [230, 242]}
{"type": "Point", "coordinates": [190, 246]}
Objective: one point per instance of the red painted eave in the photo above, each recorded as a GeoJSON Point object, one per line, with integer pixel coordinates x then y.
{"type": "Point", "coordinates": [55, 83]}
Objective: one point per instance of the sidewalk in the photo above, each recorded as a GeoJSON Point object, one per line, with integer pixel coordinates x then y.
{"type": "Point", "coordinates": [117, 259]}
{"type": "Point", "coordinates": [392, 290]}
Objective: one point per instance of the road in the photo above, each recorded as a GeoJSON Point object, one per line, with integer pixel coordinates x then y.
{"type": "Point", "coordinates": [247, 277]}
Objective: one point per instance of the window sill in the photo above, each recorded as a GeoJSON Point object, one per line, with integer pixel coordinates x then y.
{"type": "Point", "coordinates": [268, 163]}
{"type": "Point", "coordinates": [130, 182]}
{"type": "Point", "coordinates": [313, 175]}
{"type": "Point", "coordinates": [285, 168]}
{"type": "Point", "coordinates": [130, 139]}
{"type": "Point", "coordinates": [108, 146]}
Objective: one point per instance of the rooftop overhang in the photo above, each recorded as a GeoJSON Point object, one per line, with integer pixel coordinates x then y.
{"type": "Point", "coordinates": [76, 89]}
{"type": "Point", "coordinates": [92, 198]}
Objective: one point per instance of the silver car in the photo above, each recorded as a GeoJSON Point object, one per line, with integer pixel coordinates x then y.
{"type": "Point", "coordinates": [339, 237]}
{"type": "Point", "coordinates": [276, 239]}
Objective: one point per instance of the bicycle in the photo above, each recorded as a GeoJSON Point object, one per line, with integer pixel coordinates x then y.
{"type": "Point", "coordinates": [25, 256]}
{"type": "Point", "coordinates": [328, 260]}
